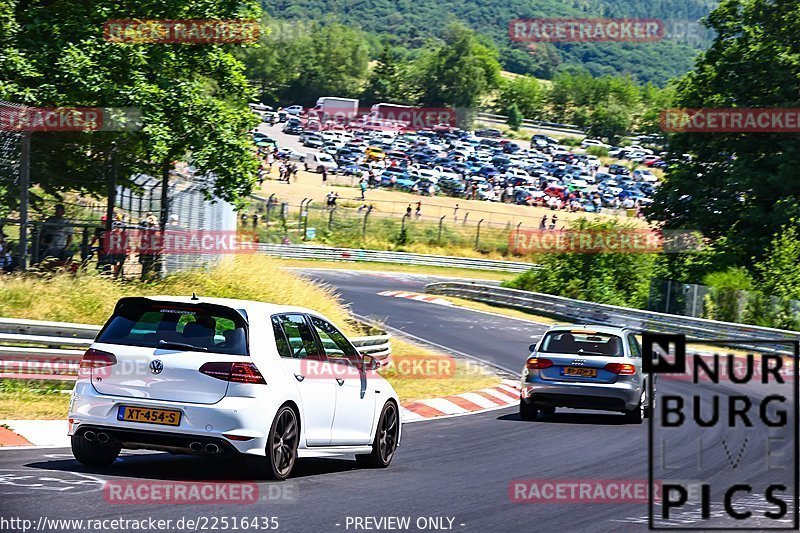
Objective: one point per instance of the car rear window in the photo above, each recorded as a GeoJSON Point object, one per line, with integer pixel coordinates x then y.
{"type": "Point", "coordinates": [178, 326]}
{"type": "Point", "coordinates": [582, 343]}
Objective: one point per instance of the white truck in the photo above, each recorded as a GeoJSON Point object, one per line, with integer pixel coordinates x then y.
{"type": "Point", "coordinates": [339, 110]}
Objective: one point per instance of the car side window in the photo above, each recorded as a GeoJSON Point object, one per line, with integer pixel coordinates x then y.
{"type": "Point", "coordinates": [296, 340]}
{"type": "Point", "coordinates": [284, 350]}
{"type": "Point", "coordinates": [636, 350]}
{"type": "Point", "coordinates": [337, 348]}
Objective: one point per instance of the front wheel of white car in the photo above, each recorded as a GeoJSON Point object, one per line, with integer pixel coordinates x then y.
{"type": "Point", "coordinates": [93, 453]}
{"type": "Point", "coordinates": [386, 438]}
{"type": "Point", "coordinates": [281, 450]}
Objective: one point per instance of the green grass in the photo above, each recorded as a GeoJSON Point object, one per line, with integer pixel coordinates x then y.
{"type": "Point", "coordinates": [33, 400]}
{"type": "Point", "coordinates": [346, 230]}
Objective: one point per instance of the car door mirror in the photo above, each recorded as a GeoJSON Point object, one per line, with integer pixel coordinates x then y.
{"type": "Point", "coordinates": [370, 363]}
{"type": "Point", "coordinates": [532, 347]}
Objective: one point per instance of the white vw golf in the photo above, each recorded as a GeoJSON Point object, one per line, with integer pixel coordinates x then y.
{"type": "Point", "coordinates": [209, 376]}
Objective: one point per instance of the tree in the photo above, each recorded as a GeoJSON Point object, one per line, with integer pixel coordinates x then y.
{"type": "Point", "coordinates": [334, 63]}
{"type": "Point", "coordinates": [526, 92]}
{"type": "Point", "coordinates": [738, 185]}
{"type": "Point", "coordinates": [385, 83]}
{"type": "Point", "coordinates": [778, 272]}
{"type": "Point", "coordinates": [273, 64]}
{"type": "Point", "coordinates": [515, 117]}
{"type": "Point", "coordinates": [459, 72]}
{"type": "Point", "coordinates": [192, 98]}
{"type": "Point", "coordinates": [611, 120]}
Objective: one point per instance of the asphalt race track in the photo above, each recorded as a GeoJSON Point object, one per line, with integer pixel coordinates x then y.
{"type": "Point", "coordinates": [459, 469]}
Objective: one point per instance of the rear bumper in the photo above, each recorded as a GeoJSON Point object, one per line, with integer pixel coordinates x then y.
{"type": "Point", "coordinates": [159, 440]}
{"type": "Point", "coordinates": [240, 416]}
{"type": "Point", "coordinates": [622, 396]}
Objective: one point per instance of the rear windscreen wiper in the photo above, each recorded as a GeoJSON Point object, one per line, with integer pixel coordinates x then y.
{"type": "Point", "coordinates": [587, 352]}
{"type": "Point", "coordinates": [181, 346]}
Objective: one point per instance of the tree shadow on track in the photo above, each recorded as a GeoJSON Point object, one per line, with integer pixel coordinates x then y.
{"type": "Point", "coordinates": [578, 418]}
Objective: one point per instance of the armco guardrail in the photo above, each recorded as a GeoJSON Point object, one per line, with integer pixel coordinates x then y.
{"type": "Point", "coordinates": [593, 313]}
{"type": "Point", "coordinates": [34, 349]}
{"type": "Point", "coordinates": [534, 124]}
{"type": "Point", "coordinates": [304, 251]}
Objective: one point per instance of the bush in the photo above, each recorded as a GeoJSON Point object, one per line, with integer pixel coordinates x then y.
{"type": "Point", "coordinates": [570, 141]}
{"type": "Point", "coordinates": [515, 117]}
{"type": "Point", "coordinates": [599, 151]}
{"type": "Point", "coordinates": [610, 278]}
{"type": "Point", "coordinates": [727, 296]}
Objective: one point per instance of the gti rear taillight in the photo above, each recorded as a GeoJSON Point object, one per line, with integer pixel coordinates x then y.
{"type": "Point", "coordinates": [97, 359]}
{"type": "Point", "coordinates": [234, 372]}
{"type": "Point", "coordinates": [538, 363]}
{"type": "Point", "coordinates": [621, 369]}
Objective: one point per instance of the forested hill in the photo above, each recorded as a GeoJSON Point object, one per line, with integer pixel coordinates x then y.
{"type": "Point", "coordinates": [410, 23]}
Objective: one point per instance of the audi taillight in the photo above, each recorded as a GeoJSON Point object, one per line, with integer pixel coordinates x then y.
{"type": "Point", "coordinates": [234, 372]}
{"type": "Point", "coordinates": [621, 369]}
{"type": "Point", "coordinates": [97, 359]}
{"type": "Point", "coordinates": [538, 363]}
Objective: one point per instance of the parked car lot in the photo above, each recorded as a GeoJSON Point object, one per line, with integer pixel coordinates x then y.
{"type": "Point", "coordinates": [487, 167]}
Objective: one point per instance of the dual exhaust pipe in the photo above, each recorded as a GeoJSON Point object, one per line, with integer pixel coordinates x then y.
{"type": "Point", "coordinates": [210, 448]}
{"type": "Point", "coordinates": [101, 437]}
{"type": "Point", "coordinates": [196, 447]}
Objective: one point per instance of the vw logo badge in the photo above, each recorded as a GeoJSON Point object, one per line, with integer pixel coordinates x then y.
{"type": "Point", "coordinates": [156, 366]}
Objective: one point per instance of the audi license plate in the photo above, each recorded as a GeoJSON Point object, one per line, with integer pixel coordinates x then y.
{"type": "Point", "coordinates": [579, 371]}
{"type": "Point", "coordinates": [165, 417]}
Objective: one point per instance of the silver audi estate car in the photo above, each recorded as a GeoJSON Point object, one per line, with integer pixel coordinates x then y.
{"type": "Point", "coordinates": [586, 367]}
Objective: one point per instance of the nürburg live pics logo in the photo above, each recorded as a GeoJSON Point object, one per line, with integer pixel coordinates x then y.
{"type": "Point", "coordinates": [724, 433]}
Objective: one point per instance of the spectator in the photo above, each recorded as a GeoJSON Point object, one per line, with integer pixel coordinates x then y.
{"type": "Point", "coordinates": [408, 210]}
{"type": "Point", "coordinates": [6, 256]}
{"type": "Point", "coordinates": [56, 236]}
{"type": "Point", "coordinates": [363, 185]}
{"type": "Point", "coordinates": [149, 249]}
{"type": "Point", "coordinates": [418, 211]}
{"type": "Point", "coordinates": [325, 178]}
{"type": "Point", "coordinates": [543, 223]}
{"type": "Point", "coordinates": [553, 222]}
{"type": "Point", "coordinates": [255, 218]}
